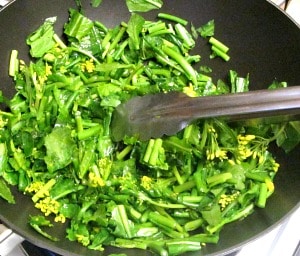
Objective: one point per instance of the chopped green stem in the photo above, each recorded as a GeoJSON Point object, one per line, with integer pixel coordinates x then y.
{"type": "Point", "coordinates": [220, 53]}
{"type": "Point", "coordinates": [124, 218]}
{"type": "Point", "coordinates": [13, 63]}
{"type": "Point", "coordinates": [176, 248]}
{"type": "Point", "coordinates": [43, 233]}
{"type": "Point", "coordinates": [43, 190]}
{"type": "Point", "coordinates": [87, 133]}
{"type": "Point", "coordinates": [120, 50]}
{"type": "Point", "coordinates": [180, 180]}
{"type": "Point", "coordinates": [117, 38]}
{"type": "Point", "coordinates": [7, 114]}
{"type": "Point", "coordinates": [59, 41]}
{"type": "Point", "coordinates": [187, 38]}
{"type": "Point", "coordinates": [193, 225]}
{"type": "Point", "coordinates": [189, 70]}
{"type": "Point", "coordinates": [185, 186]}
{"type": "Point", "coordinates": [218, 178]}
{"type": "Point", "coordinates": [121, 155]}
{"type": "Point", "coordinates": [162, 220]}
{"type": "Point", "coordinates": [84, 53]}
{"type": "Point", "coordinates": [222, 47]}
{"type": "Point", "coordinates": [156, 27]}
{"type": "Point", "coordinates": [101, 26]}
{"type": "Point", "coordinates": [200, 180]}
{"type": "Point", "coordinates": [263, 195]}
{"type": "Point", "coordinates": [155, 151]}
{"type": "Point", "coordinates": [257, 176]}
{"type": "Point", "coordinates": [174, 18]}
{"type": "Point", "coordinates": [142, 196]}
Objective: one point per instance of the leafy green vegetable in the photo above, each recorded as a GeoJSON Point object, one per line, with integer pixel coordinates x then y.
{"type": "Point", "coordinates": [288, 138]}
{"type": "Point", "coordinates": [79, 26]}
{"type": "Point", "coordinates": [172, 18]}
{"type": "Point", "coordinates": [5, 192]}
{"type": "Point", "coordinates": [37, 222]}
{"type": "Point", "coordinates": [143, 5]}
{"type": "Point", "coordinates": [135, 26]}
{"type": "Point", "coordinates": [60, 148]}
{"type": "Point", "coordinates": [167, 195]}
{"type": "Point", "coordinates": [42, 40]}
{"type": "Point", "coordinates": [207, 29]}
{"type": "Point", "coordinates": [96, 3]}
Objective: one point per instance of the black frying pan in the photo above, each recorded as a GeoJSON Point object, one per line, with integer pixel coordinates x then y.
{"type": "Point", "coordinates": [263, 41]}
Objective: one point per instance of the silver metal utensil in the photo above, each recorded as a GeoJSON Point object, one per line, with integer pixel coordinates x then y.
{"type": "Point", "coordinates": [152, 116]}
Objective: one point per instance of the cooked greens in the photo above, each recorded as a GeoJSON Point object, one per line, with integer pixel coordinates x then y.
{"type": "Point", "coordinates": [143, 5]}
{"type": "Point", "coordinates": [169, 195]}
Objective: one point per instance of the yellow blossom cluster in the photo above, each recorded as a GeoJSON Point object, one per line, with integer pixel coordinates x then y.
{"type": "Point", "coordinates": [48, 205]}
{"type": "Point", "coordinates": [146, 182]}
{"type": "Point", "coordinates": [85, 240]}
{"type": "Point", "coordinates": [270, 185]}
{"type": "Point", "coordinates": [44, 202]}
{"type": "Point", "coordinates": [214, 151]}
{"type": "Point", "coordinates": [275, 165]}
{"type": "Point", "coordinates": [252, 146]}
{"type": "Point", "coordinates": [189, 91]}
{"type": "Point", "coordinates": [219, 153]}
{"type": "Point", "coordinates": [227, 199]}
{"type": "Point", "coordinates": [60, 218]}
{"type": "Point", "coordinates": [244, 148]}
{"type": "Point", "coordinates": [34, 187]}
{"type": "Point", "coordinates": [88, 66]}
{"type": "Point", "coordinates": [95, 180]}
{"type": "Point", "coordinates": [3, 122]}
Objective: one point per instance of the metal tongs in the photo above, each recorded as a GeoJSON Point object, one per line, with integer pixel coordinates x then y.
{"type": "Point", "coordinates": [152, 116]}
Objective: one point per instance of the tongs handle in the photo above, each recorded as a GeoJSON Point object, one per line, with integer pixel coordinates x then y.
{"type": "Point", "coordinates": [236, 106]}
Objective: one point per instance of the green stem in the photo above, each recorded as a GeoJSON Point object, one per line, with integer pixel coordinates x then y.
{"type": "Point", "coordinates": [189, 70]}
{"type": "Point", "coordinates": [171, 17]}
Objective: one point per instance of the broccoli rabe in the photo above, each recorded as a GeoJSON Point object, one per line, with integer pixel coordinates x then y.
{"type": "Point", "coordinates": [169, 195]}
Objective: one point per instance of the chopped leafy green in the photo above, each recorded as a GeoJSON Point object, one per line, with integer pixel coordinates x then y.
{"type": "Point", "coordinates": [96, 3]}
{"type": "Point", "coordinates": [60, 148]}
{"type": "Point", "coordinates": [207, 29]}
{"type": "Point", "coordinates": [5, 192]}
{"type": "Point", "coordinates": [42, 40]}
{"type": "Point", "coordinates": [143, 5]}
{"type": "Point", "coordinates": [135, 26]}
{"type": "Point", "coordinates": [78, 26]}
{"type": "Point", "coordinates": [37, 222]}
{"type": "Point", "coordinates": [288, 138]}
{"type": "Point", "coordinates": [168, 195]}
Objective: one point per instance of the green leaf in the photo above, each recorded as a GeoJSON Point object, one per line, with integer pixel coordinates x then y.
{"type": "Point", "coordinates": [135, 26]}
{"type": "Point", "coordinates": [42, 40]}
{"type": "Point", "coordinates": [238, 84]}
{"type": "Point", "coordinates": [207, 29]}
{"type": "Point", "coordinates": [60, 146]}
{"type": "Point", "coordinates": [108, 67]}
{"type": "Point", "coordinates": [290, 138]}
{"type": "Point", "coordinates": [124, 226]}
{"type": "Point", "coordinates": [91, 42]}
{"type": "Point", "coordinates": [78, 25]}
{"type": "Point", "coordinates": [69, 210]}
{"type": "Point", "coordinates": [96, 3]}
{"type": "Point", "coordinates": [5, 192]}
{"type": "Point", "coordinates": [212, 216]}
{"type": "Point", "coordinates": [3, 157]}
{"type": "Point", "coordinates": [38, 221]}
{"type": "Point", "coordinates": [63, 187]}
{"type": "Point", "coordinates": [143, 5]}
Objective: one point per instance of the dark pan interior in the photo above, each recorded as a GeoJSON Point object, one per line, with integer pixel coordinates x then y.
{"type": "Point", "coordinates": [263, 42]}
